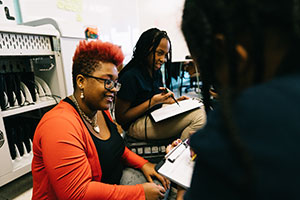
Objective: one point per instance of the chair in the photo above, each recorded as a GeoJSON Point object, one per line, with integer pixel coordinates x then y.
{"type": "Point", "coordinates": [152, 150]}
{"type": "Point", "coordinates": [194, 77]}
{"type": "Point", "coordinates": [173, 71]}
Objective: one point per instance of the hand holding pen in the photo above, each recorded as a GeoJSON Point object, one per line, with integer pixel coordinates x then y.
{"type": "Point", "coordinates": [166, 90]}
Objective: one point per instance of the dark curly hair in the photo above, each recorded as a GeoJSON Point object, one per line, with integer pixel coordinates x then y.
{"type": "Point", "coordinates": [147, 44]}
{"type": "Point", "coordinates": [204, 19]}
{"type": "Point", "coordinates": [88, 54]}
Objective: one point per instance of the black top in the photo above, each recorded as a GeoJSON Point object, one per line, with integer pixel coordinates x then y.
{"type": "Point", "coordinates": [267, 117]}
{"type": "Point", "coordinates": [109, 151]}
{"type": "Point", "coordinates": [138, 87]}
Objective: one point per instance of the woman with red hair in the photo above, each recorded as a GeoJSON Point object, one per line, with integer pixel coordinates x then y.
{"type": "Point", "coordinates": [78, 153]}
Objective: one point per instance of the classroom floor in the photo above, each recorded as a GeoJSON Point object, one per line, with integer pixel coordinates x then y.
{"type": "Point", "coordinates": [21, 188]}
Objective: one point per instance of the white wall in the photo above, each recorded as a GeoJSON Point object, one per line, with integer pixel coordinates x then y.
{"type": "Point", "coordinates": [118, 21]}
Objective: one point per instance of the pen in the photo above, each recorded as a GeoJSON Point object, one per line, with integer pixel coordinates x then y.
{"type": "Point", "coordinates": [167, 90]}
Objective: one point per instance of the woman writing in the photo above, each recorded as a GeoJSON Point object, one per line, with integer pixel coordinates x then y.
{"type": "Point", "coordinates": [141, 92]}
{"type": "Point", "coordinates": [78, 153]}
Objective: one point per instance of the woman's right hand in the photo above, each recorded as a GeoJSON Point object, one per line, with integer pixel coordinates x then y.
{"type": "Point", "coordinates": [163, 98]}
{"type": "Point", "coordinates": [153, 191]}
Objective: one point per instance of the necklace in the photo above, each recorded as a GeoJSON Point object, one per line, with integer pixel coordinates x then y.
{"type": "Point", "coordinates": [92, 121]}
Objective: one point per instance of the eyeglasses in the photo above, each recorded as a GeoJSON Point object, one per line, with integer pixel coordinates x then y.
{"type": "Point", "coordinates": [108, 84]}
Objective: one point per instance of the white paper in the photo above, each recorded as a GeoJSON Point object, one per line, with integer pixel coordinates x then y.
{"type": "Point", "coordinates": [169, 110]}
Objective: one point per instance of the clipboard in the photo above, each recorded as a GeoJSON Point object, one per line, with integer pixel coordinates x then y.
{"type": "Point", "coordinates": [178, 165]}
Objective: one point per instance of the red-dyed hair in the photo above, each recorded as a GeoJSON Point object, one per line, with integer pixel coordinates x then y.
{"type": "Point", "coordinates": [88, 54]}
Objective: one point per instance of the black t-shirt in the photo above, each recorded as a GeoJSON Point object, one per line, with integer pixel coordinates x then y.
{"type": "Point", "coordinates": [110, 152]}
{"type": "Point", "coordinates": [138, 87]}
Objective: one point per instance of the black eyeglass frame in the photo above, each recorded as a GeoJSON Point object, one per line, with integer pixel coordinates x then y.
{"type": "Point", "coordinates": [115, 85]}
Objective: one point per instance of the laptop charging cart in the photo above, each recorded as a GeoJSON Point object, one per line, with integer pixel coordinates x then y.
{"type": "Point", "coordinates": [32, 82]}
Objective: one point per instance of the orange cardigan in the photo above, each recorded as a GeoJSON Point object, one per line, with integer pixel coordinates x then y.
{"type": "Point", "coordinates": [66, 163]}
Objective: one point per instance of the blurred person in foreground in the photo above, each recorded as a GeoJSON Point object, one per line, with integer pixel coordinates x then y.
{"type": "Point", "coordinates": [250, 145]}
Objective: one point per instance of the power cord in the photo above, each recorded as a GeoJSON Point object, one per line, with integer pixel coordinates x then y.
{"type": "Point", "coordinates": [146, 136]}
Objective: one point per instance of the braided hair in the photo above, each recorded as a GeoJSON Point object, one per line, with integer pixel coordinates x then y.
{"type": "Point", "coordinates": [146, 45]}
{"type": "Point", "coordinates": [204, 19]}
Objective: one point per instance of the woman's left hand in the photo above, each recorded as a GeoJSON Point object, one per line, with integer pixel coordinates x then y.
{"type": "Point", "coordinates": [149, 172]}
{"type": "Point", "coordinates": [182, 98]}
{"type": "Point", "coordinates": [174, 144]}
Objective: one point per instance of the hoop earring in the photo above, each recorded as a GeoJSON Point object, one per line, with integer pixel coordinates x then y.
{"type": "Point", "coordinates": [81, 94]}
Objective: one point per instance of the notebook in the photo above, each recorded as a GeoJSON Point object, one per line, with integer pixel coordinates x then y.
{"type": "Point", "coordinates": [170, 110]}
